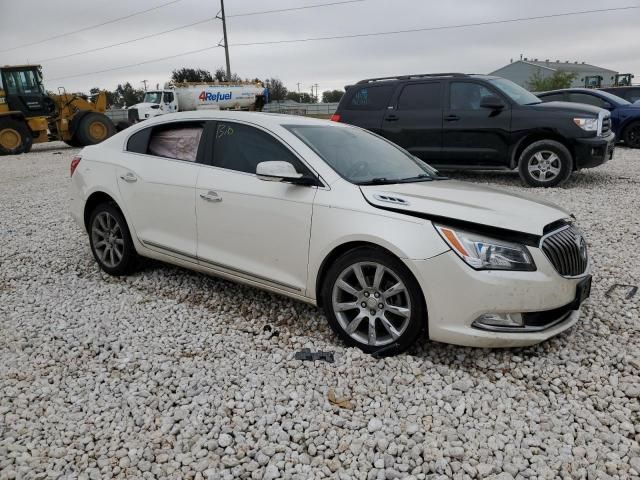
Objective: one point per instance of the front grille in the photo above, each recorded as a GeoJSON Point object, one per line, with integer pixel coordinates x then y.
{"type": "Point", "coordinates": [566, 249]}
{"type": "Point", "coordinates": [606, 125]}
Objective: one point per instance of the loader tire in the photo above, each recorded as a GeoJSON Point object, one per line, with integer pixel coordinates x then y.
{"type": "Point", "coordinates": [15, 137]}
{"type": "Point", "coordinates": [93, 128]}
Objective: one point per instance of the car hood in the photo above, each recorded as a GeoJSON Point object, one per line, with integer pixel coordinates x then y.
{"type": "Point", "coordinates": [568, 107]}
{"type": "Point", "coordinates": [450, 199]}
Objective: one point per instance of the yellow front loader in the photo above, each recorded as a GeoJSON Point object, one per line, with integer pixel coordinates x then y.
{"type": "Point", "coordinates": [28, 114]}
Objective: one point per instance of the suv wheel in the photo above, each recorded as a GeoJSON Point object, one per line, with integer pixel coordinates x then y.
{"type": "Point", "coordinates": [111, 241]}
{"type": "Point", "coordinates": [631, 135]}
{"type": "Point", "coordinates": [373, 302]}
{"type": "Point", "coordinates": [545, 163]}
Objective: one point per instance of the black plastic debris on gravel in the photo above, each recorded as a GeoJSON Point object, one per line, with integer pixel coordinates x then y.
{"type": "Point", "coordinates": [307, 355]}
{"type": "Point", "coordinates": [632, 290]}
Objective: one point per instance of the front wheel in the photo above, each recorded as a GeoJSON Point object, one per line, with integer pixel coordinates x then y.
{"type": "Point", "coordinates": [545, 163]}
{"type": "Point", "coordinates": [15, 137]}
{"type": "Point", "coordinates": [373, 302]}
{"type": "Point", "coordinates": [631, 135]}
{"type": "Point", "coordinates": [93, 128]}
{"type": "Point", "coordinates": [110, 240]}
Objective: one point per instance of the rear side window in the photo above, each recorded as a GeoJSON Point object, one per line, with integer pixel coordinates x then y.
{"type": "Point", "coordinates": [370, 97]}
{"type": "Point", "coordinates": [241, 148]}
{"type": "Point", "coordinates": [420, 96]}
{"type": "Point", "coordinates": [177, 141]}
{"type": "Point", "coordinates": [168, 97]}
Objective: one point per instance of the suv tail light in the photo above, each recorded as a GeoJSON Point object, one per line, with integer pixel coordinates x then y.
{"type": "Point", "coordinates": [335, 117]}
{"type": "Point", "coordinates": [75, 161]}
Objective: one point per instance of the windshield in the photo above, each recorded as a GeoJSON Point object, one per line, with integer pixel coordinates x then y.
{"type": "Point", "coordinates": [515, 92]}
{"type": "Point", "coordinates": [152, 97]}
{"type": "Point", "coordinates": [611, 98]}
{"type": "Point", "coordinates": [362, 157]}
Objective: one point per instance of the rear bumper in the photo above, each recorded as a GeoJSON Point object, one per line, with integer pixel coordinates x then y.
{"type": "Point", "coordinates": [591, 152]}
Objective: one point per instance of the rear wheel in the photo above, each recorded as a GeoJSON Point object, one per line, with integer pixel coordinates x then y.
{"type": "Point", "coordinates": [545, 163]}
{"type": "Point", "coordinates": [372, 301]}
{"type": "Point", "coordinates": [631, 135]}
{"type": "Point", "coordinates": [110, 240]}
{"type": "Point", "coordinates": [93, 128]}
{"type": "Point", "coordinates": [15, 137]}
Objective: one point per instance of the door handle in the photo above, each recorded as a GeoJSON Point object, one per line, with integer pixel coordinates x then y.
{"type": "Point", "coordinates": [391, 118]}
{"type": "Point", "coordinates": [211, 196]}
{"type": "Point", "coordinates": [452, 118]}
{"type": "Point", "coordinates": [129, 177]}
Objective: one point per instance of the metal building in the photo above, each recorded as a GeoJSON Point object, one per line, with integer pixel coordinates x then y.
{"type": "Point", "coordinates": [521, 71]}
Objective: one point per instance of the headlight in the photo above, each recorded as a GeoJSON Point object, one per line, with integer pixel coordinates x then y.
{"type": "Point", "coordinates": [484, 253]}
{"type": "Point", "coordinates": [587, 124]}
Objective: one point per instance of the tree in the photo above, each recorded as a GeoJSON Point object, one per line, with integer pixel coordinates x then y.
{"type": "Point", "coordinates": [125, 95]}
{"type": "Point", "coordinates": [111, 96]}
{"type": "Point", "coordinates": [277, 90]}
{"type": "Point", "coordinates": [303, 97]}
{"type": "Point", "coordinates": [560, 79]}
{"type": "Point", "coordinates": [331, 96]}
{"type": "Point", "coordinates": [185, 75]}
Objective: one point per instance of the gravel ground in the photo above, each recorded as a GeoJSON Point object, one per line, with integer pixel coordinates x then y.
{"type": "Point", "coordinates": [172, 374]}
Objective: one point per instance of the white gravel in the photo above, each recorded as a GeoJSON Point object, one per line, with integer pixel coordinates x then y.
{"type": "Point", "coordinates": [172, 374]}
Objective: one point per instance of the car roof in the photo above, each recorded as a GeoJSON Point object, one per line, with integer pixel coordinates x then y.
{"type": "Point", "coordinates": [576, 89]}
{"type": "Point", "coordinates": [261, 118]}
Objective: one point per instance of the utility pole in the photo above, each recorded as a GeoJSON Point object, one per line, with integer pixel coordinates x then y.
{"type": "Point", "coordinates": [316, 85]}
{"type": "Point", "coordinates": [226, 42]}
{"type": "Point", "coordinates": [144, 82]}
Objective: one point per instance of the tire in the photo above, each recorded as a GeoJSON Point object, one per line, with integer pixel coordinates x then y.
{"type": "Point", "coordinates": [545, 163]}
{"type": "Point", "coordinates": [404, 311]}
{"type": "Point", "coordinates": [120, 126]}
{"type": "Point", "coordinates": [631, 135]}
{"type": "Point", "coordinates": [106, 224]}
{"type": "Point", "coordinates": [15, 137]}
{"type": "Point", "coordinates": [73, 143]}
{"type": "Point", "coordinates": [93, 128]}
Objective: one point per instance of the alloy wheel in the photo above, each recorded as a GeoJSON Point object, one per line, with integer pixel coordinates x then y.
{"type": "Point", "coordinates": [544, 165]}
{"type": "Point", "coordinates": [371, 303]}
{"type": "Point", "coordinates": [108, 241]}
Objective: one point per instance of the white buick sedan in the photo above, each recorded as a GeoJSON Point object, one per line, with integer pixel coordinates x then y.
{"type": "Point", "coordinates": [338, 217]}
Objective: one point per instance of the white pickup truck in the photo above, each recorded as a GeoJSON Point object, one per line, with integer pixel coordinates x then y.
{"type": "Point", "coordinates": [188, 97]}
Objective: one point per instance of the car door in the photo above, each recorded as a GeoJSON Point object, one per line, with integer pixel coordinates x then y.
{"type": "Point", "coordinates": [473, 135]}
{"type": "Point", "coordinates": [157, 182]}
{"type": "Point", "coordinates": [249, 227]}
{"type": "Point", "coordinates": [414, 120]}
{"type": "Point", "coordinates": [365, 105]}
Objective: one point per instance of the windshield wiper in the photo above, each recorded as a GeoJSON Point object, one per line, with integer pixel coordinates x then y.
{"type": "Point", "coordinates": [423, 177]}
{"type": "Point", "coordinates": [378, 181]}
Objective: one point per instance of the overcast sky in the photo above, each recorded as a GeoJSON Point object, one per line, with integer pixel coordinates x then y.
{"type": "Point", "coordinates": [606, 39]}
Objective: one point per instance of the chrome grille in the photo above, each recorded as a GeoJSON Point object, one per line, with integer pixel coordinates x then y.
{"type": "Point", "coordinates": [606, 125]}
{"type": "Point", "coordinates": [566, 249]}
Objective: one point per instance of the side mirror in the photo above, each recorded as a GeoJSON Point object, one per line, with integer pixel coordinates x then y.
{"type": "Point", "coordinates": [277, 172]}
{"type": "Point", "coordinates": [492, 102]}
{"type": "Point", "coordinates": [607, 106]}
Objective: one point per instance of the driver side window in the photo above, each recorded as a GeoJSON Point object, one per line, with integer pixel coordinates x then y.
{"type": "Point", "coordinates": [467, 96]}
{"type": "Point", "coordinates": [241, 148]}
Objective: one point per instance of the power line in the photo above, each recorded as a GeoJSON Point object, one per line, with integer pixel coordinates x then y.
{"type": "Point", "coordinates": [126, 41]}
{"type": "Point", "coordinates": [122, 67]}
{"type": "Point", "coordinates": [443, 27]}
{"type": "Point", "coordinates": [84, 29]}
{"type": "Point", "coordinates": [318, 5]}
{"type": "Point", "coordinates": [338, 37]}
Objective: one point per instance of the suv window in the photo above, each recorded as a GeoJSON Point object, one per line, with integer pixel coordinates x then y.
{"type": "Point", "coordinates": [586, 98]}
{"type": "Point", "coordinates": [178, 141]}
{"type": "Point", "coordinates": [420, 96]}
{"type": "Point", "coordinates": [554, 97]}
{"type": "Point", "coordinates": [370, 97]}
{"type": "Point", "coordinates": [467, 96]}
{"type": "Point", "coordinates": [241, 147]}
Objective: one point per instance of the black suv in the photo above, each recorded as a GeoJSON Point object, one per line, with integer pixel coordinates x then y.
{"type": "Point", "coordinates": [456, 121]}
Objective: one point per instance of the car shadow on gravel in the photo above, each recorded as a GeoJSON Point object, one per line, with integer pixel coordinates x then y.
{"type": "Point", "coordinates": [583, 178]}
